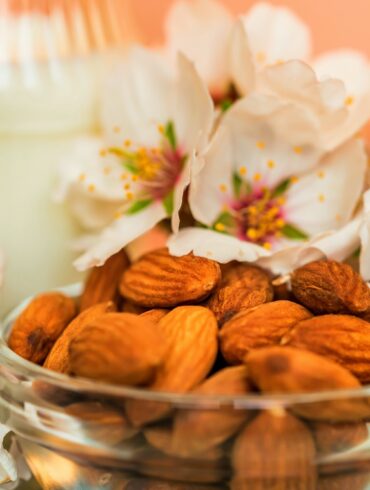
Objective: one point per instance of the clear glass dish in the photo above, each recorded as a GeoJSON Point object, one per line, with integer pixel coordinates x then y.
{"type": "Point", "coordinates": [251, 442]}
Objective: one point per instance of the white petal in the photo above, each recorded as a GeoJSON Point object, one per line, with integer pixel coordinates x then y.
{"type": "Point", "coordinates": [200, 29]}
{"type": "Point", "coordinates": [365, 240]}
{"type": "Point", "coordinates": [271, 139]}
{"type": "Point", "coordinates": [193, 111]}
{"type": "Point", "coordinates": [8, 469]}
{"type": "Point", "coordinates": [241, 62]}
{"type": "Point", "coordinates": [120, 233]}
{"type": "Point", "coordinates": [213, 245]}
{"type": "Point", "coordinates": [91, 193]}
{"type": "Point", "coordinates": [137, 97]}
{"type": "Point", "coordinates": [276, 33]}
{"type": "Point", "coordinates": [212, 179]}
{"type": "Point", "coordinates": [326, 199]}
{"type": "Point", "coordinates": [2, 264]}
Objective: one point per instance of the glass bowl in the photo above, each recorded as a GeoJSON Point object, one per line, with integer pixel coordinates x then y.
{"type": "Point", "coordinates": [75, 434]}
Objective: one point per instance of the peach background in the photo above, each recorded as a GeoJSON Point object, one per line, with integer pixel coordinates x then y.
{"type": "Point", "coordinates": [334, 23]}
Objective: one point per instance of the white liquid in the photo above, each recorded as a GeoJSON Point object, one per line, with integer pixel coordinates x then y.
{"type": "Point", "coordinates": [41, 112]}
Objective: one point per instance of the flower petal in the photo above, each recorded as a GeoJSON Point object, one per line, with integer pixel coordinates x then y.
{"type": "Point", "coordinates": [272, 140]}
{"type": "Point", "coordinates": [138, 96]}
{"type": "Point", "coordinates": [365, 240]}
{"type": "Point", "coordinates": [200, 29]}
{"type": "Point", "coordinates": [326, 199]}
{"type": "Point", "coordinates": [276, 33]}
{"type": "Point", "coordinates": [193, 112]}
{"type": "Point", "coordinates": [119, 234]}
{"type": "Point", "coordinates": [241, 61]}
{"type": "Point", "coordinates": [212, 179]}
{"type": "Point", "coordinates": [213, 245]}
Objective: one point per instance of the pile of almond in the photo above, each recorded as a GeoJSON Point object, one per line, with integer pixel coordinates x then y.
{"type": "Point", "coordinates": [190, 325]}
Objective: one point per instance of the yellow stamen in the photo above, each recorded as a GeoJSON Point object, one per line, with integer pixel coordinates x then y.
{"type": "Point", "coordinates": [321, 174]}
{"type": "Point", "coordinates": [118, 215]}
{"type": "Point", "coordinates": [281, 201]}
{"type": "Point", "coordinates": [91, 188]}
{"type": "Point", "coordinates": [134, 178]}
{"type": "Point", "coordinates": [107, 170]}
{"type": "Point", "coordinates": [103, 152]}
{"type": "Point", "coordinates": [82, 177]}
{"type": "Point", "coordinates": [267, 246]}
{"type": "Point", "coordinates": [280, 223]}
{"type": "Point", "coordinates": [257, 177]}
{"type": "Point", "coordinates": [223, 188]}
{"type": "Point", "coordinates": [252, 233]}
{"type": "Point", "coordinates": [294, 179]}
{"type": "Point", "coordinates": [298, 150]}
{"type": "Point", "coordinates": [349, 100]}
{"type": "Point", "coordinates": [129, 196]}
{"type": "Point", "coordinates": [123, 176]}
{"type": "Point", "coordinates": [127, 143]}
{"type": "Point", "coordinates": [243, 170]}
{"type": "Point", "coordinates": [261, 145]}
{"type": "Point", "coordinates": [126, 187]}
{"type": "Point", "coordinates": [220, 227]}
{"type": "Point", "coordinates": [271, 164]}
{"type": "Point", "coordinates": [322, 198]}
{"type": "Point", "coordinates": [161, 128]}
{"type": "Point", "coordinates": [116, 129]}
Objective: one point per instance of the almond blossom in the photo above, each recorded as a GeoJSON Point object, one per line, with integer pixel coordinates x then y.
{"type": "Point", "coordinates": [125, 183]}
{"type": "Point", "coordinates": [264, 192]}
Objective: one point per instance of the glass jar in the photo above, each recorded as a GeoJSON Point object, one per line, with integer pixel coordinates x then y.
{"type": "Point", "coordinates": [53, 54]}
{"type": "Point", "coordinates": [75, 434]}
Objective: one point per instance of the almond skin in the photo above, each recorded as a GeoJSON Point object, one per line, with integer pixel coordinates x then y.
{"type": "Point", "coordinates": [199, 431]}
{"type": "Point", "coordinates": [155, 316]}
{"type": "Point", "coordinates": [326, 286]}
{"type": "Point", "coordinates": [286, 370]}
{"type": "Point", "coordinates": [331, 439]}
{"type": "Point", "coordinates": [262, 326]}
{"type": "Point", "coordinates": [40, 324]}
{"type": "Point", "coordinates": [101, 422]}
{"type": "Point", "coordinates": [342, 338]}
{"type": "Point", "coordinates": [118, 348]}
{"type": "Point", "coordinates": [275, 450]}
{"type": "Point", "coordinates": [58, 358]}
{"type": "Point", "coordinates": [243, 286]}
{"type": "Point", "coordinates": [190, 334]}
{"type": "Point", "coordinates": [102, 282]}
{"type": "Point", "coordinates": [160, 280]}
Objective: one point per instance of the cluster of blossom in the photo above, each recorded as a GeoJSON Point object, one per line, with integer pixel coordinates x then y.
{"type": "Point", "coordinates": [233, 123]}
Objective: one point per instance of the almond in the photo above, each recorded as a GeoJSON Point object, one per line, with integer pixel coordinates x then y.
{"type": "Point", "coordinates": [242, 286]}
{"type": "Point", "coordinates": [101, 422]}
{"type": "Point", "coordinates": [190, 334]}
{"type": "Point", "coordinates": [160, 280]}
{"type": "Point", "coordinates": [275, 450]}
{"type": "Point", "coordinates": [344, 481]}
{"type": "Point", "coordinates": [342, 338]}
{"type": "Point", "coordinates": [102, 282]}
{"type": "Point", "coordinates": [155, 315]}
{"type": "Point", "coordinates": [199, 431]}
{"type": "Point", "coordinates": [327, 286]}
{"type": "Point", "coordinates": [331, 439]}
{"type": "Point", "coordinates": [132, 483]}
{"type": "Point", "coordinates": [58, 358]}
{"type": "Point", "coordinates": [257, 327]}
{"type": "Point", "coordinates": [118, 348]}
{"type": "Point", "coordinates": [40, 324]}
{"type": "Point", "coordinates": [286, 370]}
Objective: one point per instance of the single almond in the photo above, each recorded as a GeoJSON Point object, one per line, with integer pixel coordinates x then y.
{"type": "Point", "coordinates": [262, 326]}
{"type": "Point", "coordinates": [102, 282]}
{"type": "Point", "coordinates": [276, 450]}
{"type": "Point", "coordinates": [190, 334]}
{"type": "Point", "coordinates": [155, 315]}
{"type": "Point", "coordinates": [40, 324]}
{"type": "Point", "coordinates": [332, 439]}
{"type": "Point", "coordinates": [344, 339]}
{"type": "Point", "coordinates": [287, 370]}
{"type": "Point", "coordinates": [160, 280]}
{"type": "Point", "coordinates": [339, 480]}
{"type": "Point", "coordinates": [118, 348]}
{"type": "Point", "coordinates": [326, 286]}
{"type": "Point", "coordinates": [199, 431]}
{"type": "Point", "coordinates": [243, 286]}
{"type": "Point", "coordinates": [100, 422]}
{"type": "Point", "coordinates": [58, 358]}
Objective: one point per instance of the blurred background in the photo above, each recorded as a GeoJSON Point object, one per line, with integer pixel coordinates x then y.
{"type": "Point", "coordinates": [334, 23]}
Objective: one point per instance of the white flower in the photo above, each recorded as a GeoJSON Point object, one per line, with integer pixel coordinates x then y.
{"type": "Point", "coordinates": [265, 193]}
{"type": "Point", "coordinates": [12, 464]}
{"type": "Point", "coordinates": [134, 177]}
{"type": "Point", "coordinates": [365, 239]}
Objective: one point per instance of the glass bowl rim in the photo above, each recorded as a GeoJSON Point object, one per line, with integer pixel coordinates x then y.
{"type": "Point", "coordinates": [22, 368]}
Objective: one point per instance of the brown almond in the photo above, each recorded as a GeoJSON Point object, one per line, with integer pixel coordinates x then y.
{"type": "Point", "coordinates": [344, 481]}
{"type": "Point", "coordinates": [344, 339]}
{"type": "Point", "coordinates": [160, 280]}
{"type": "Point", "coordinates": [40, 324]}
{"type": "Point", "coordinates": [190, 334]}
{"type": "Point", "coordinates": [102, 282]}
{"type": "Point", "coordinates": [243, 286]}
{"type": "Point", "coordinates": [332, 439]}
{"type": "Point", "coordinates": [262, 326]}
{"type": "Point", "coordinates": [286, 370]}
{"type": "Point", "coordinates": [155, 315]}
{"type": "Point", "coordinates": [134, 483]}
{"type": "Point", "coordinates": [118, 348]}
{"type": "Point", "coordinates": [199, 431]}
{"type": "Point", "coordinates": [275, 450]}
{"type": "Point", "coordinates": [326, 286]}
{"type": "Point", "coordinates": [101, 422]}
{"type": "Point", "coordinates": [58, 358]}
